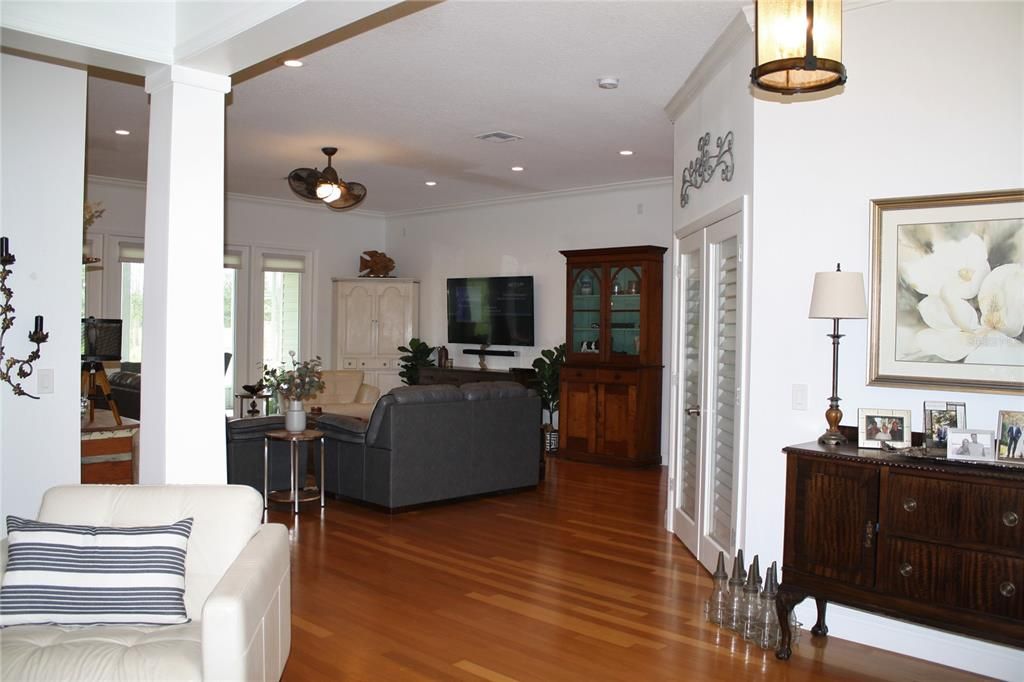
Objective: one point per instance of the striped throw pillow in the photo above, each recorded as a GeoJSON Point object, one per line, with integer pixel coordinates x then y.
{"type": "Point", "coordinates": [88, 575]}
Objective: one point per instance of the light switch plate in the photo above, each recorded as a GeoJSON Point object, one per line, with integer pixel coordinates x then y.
{"type": "Point", "coordinates": [45, 381]}
{"type": "Point", "coordinates": [799, 396]}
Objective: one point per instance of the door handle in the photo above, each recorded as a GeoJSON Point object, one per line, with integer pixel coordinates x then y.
{"type": "Point", "coordinates": [693, 411]}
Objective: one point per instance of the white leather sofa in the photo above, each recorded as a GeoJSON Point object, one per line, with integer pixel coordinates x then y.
{"type": "Point", "coordinates": [237, 593]}
{"type": "Point", "coordinates": [345, 394]}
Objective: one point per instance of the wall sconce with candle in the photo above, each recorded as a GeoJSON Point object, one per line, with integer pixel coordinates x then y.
{"type": "Point", "coordinates": [36, 336]}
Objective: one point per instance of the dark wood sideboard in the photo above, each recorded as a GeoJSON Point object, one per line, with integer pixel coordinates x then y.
{"type": "Point", "coordinates": [464, 375]}
{"type": "Point", "coordinates": [923, 540]}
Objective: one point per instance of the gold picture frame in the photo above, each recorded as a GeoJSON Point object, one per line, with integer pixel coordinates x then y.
{"type": "Point", "coordinates": [934, 321]}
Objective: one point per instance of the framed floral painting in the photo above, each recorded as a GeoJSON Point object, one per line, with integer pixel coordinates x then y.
{"type": "Point", "coordinates": [947, 292]}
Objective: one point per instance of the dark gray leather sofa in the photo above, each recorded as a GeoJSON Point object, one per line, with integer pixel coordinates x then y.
{"type": "Point", "coordinates": [429, 443]}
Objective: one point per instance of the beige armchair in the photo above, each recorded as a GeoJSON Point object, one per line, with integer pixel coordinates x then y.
{"type": "Point", "coordinates": [345, 393]}
{"type": "Point", "coordinates": [237, 593]}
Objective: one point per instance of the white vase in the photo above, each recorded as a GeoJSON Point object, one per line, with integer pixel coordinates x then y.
{"type": "Point", "coordinates": [295, 417]}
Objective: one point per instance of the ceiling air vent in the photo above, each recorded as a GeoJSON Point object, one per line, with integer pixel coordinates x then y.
{"type": "Point", "coordinates": [498, 136]}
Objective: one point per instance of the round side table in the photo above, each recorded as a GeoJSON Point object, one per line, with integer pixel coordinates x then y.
{"type": "Point", "coordinates": [297, 493]}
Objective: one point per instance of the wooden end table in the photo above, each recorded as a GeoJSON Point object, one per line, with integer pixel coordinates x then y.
{"type": "Point", "coordinates": [298, 493]}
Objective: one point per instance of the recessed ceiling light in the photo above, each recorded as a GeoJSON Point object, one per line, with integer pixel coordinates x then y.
{"type": "Point", "coordinates": [293, 63]}
{"type": "Point", "coordinates": [626, 152]}
{"type": "Point", "coordinates": [518, 169]}
{"type": "Point", "coordinates": [607, 83]}
{"type": "Point", "coordinates": [429, 183]}
{"type": "Point", "coordinates": [121, 131]}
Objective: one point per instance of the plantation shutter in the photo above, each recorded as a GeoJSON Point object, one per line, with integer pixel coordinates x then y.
{"type": "Point", "coordinates": [692, 331]}
{"type": "Point", "coordinates": [724, 393]}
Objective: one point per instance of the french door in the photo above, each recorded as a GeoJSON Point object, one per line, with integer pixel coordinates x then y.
{"type": "Point", "coordinates": [708, 422]}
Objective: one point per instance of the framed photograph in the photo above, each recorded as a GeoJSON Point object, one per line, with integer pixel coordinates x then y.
{"type": "Point", "coordinates": [875, 427]}
{"type": "Point", "coordinates": [1011, 445]}
{"type": "Point", "coordinates": [946, 276]}
{"type": "Point", "coordinates": [939, 418]}
{"type": "Point", "coordinates": [971, 445]}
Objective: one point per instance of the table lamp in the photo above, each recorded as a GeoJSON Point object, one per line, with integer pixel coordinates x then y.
{"type": "Point", "coordinates": [836, 296]}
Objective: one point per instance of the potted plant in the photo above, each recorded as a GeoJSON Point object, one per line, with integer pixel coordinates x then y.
{"type": "Point", "coordinates": [548, 368]}
{"type": "Point", "coordinates": [417, 354]}
{"type": "Point", "coordinates": [302, 382]}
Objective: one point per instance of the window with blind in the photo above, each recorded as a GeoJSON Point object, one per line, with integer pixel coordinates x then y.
{"type": "Point", "coordinates": [130, 256]}
{"type": "Point", "coordinates": [282, 307]}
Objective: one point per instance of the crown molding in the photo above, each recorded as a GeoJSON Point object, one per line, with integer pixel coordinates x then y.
{"type": "Point", "coordinates": [236, 196]}
{"type": "Point", "coordinates": [534, 196]}
{"type": "Point", "coordinates": [739, 31]}
{"type": "Point", "coordinates": [297, 203]}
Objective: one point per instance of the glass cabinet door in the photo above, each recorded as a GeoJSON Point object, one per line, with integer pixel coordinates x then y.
{"type": "Point", "coordinates": [586, 310]}
{"type": "Point", "coordinates": [624, 313]}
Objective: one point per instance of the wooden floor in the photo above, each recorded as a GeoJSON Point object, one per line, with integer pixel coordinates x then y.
{"type": "Point", "coordinates": [577, 580]}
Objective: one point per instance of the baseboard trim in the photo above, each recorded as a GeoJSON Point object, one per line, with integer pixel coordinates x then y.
{"type": "Point", "coordinates": [918, 641]}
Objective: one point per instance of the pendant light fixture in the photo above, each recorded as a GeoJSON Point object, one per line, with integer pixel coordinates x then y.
{"type": "Point", "coordinates": [798, 45]}
{"type": "Point", "coordinates": [326, 185]}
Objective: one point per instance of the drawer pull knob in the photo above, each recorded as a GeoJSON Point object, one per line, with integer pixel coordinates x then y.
{"type": "Point", "coordinates": [909, 504]}
{"type": "Point", "coordinates": [1007, 589]}
{"type": "Point", "coordinates": [1010, 519]}
{"type": "Point", "coordinates": [906, 569]}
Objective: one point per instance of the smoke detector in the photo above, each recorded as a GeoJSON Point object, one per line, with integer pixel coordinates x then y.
{"type": "Point", "coordinates": [607, 83]}
{"type": "Point", "coordinates": [498, 136]}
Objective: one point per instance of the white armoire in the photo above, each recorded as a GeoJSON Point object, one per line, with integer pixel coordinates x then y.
{"type": "Point", "coordinates": [372, 318]}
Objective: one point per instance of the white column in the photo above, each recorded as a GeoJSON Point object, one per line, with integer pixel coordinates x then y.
{"type": "Point", "coordinates": [182, 413]}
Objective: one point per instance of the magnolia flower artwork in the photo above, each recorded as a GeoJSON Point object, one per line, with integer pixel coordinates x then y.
{"type": "Point", "coordinates": [961, 292]}
{"type": "Point", "coordinates": [948, 291]}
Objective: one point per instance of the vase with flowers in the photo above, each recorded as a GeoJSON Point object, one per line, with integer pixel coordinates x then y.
{"type": "Point", "coordinates": [302, 382]}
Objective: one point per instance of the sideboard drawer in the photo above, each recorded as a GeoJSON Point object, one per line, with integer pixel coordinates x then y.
{"type": "Point", "coordinates": [576, 374]}
{"type": "Point", "coordinates": [954, 511]}
{"type": "Point", "coordinates": [938, 575]}
{"type": "Point", "coordinates": [617, 376]}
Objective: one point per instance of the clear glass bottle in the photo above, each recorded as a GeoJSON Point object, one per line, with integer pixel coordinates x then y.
{"type": "Point", "coordinates": [752, 602]}
{"type": "Point", "coordinates": [768, 632]}
{"type": "Point", "coordinates": [717, 603]}
{"type": "Point", "coordinates": [733, 617]}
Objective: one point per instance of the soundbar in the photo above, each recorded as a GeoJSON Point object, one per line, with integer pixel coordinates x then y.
{"type": "Point", "coordinates": [478, 351]}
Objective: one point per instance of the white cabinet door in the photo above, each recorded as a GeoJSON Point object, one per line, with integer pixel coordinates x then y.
{"type": "Point", "coordinates": [355, 311]}
{"type": "Point", "coordinates": [709, 424]}
{"type": "Point", "coordinates": [393, 319]}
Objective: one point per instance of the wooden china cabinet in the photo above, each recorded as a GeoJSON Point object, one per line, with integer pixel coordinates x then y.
{"type": "Point", "coordinates": [610, 409]}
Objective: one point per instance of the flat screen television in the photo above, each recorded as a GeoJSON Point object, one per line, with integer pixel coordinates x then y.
{"type": "Point", "coordinates": [497, 311]}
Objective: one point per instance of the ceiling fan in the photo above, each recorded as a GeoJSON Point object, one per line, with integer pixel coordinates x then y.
{"type": "Point", "coordinates": [326, 185]}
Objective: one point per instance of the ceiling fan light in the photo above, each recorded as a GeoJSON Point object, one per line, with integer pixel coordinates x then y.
{"type": "Point", "coordinates": [324, 188]}
{"type": "Point", "coordinates": [334, 194]}
{"type": "Point", "coordinates": [798, 46]}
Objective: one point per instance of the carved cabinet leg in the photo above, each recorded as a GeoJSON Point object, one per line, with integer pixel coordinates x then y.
{"type": "Point", "coordinates": [785, 600]}
{"type": "Point", "coordinates": [820, 629]}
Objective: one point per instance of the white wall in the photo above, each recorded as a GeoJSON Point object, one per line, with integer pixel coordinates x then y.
{"type": "Point", "coordinates": [42, 123]}
{"type": "Point", "coordinates": [334, 239]}
{"type": "Point", "coordinates": [924, 112]}
{"type": "Point", "coordinates": [523, 237]}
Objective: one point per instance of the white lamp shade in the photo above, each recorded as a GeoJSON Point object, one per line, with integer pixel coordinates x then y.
{"type": "Point", "coordinates": [838, 295]}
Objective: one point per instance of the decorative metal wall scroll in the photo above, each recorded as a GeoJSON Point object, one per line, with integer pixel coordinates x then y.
{"type": "Point", "coordinates": [703, 168]}
{"type": "Point", "coordinates": [36, 336]}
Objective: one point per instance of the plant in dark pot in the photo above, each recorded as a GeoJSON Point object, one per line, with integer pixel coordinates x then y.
{"type": "Point", "coordinates": [548, 367]}
{"type": "Point", "coordinates": [417, 354]}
